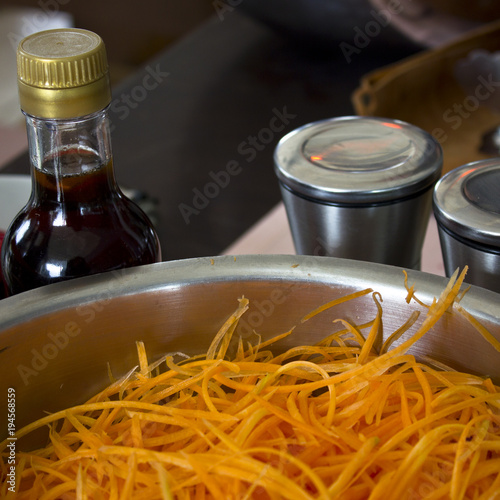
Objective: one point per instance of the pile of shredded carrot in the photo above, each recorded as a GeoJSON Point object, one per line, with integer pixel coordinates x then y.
{"type": "Point", "coordinates": [332, 420]}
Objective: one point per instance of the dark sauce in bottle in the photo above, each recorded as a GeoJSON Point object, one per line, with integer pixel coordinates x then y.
{"type": "Point", "coordinates": [75, 225]}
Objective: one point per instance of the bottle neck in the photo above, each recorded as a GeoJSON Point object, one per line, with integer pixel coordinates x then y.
{"type": "Point", "coordinates": [64, 152]}
{"type": "Point", "coordinates": [71, 146]}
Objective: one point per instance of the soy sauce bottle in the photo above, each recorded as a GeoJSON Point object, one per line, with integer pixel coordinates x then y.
{"type": "Point", "coordinates": [77, 222]}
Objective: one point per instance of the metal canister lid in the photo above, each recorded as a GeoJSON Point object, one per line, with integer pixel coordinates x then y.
{"type": "Point", "coordinates": [358, 160]}
{"type": "Point", "coordinates": [467, 202]}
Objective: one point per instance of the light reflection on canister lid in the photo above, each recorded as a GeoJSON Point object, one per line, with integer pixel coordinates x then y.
{"type": "Point", "coordinates": [358, 160]}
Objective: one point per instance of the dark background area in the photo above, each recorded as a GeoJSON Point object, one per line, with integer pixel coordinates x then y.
{"type": "Point", "coordinates": [199, 103]}
{"type": "Point", "coordinates": [133, 31]}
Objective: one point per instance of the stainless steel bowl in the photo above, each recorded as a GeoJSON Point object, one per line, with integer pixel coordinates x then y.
{"type": "Point", "coordinates": [56, 342]}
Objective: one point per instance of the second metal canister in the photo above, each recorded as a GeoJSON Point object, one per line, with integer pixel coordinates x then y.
{"type": "Point", "coordinates": [359, 188]}
{"type": "Point", "coordinates": [467, 210]}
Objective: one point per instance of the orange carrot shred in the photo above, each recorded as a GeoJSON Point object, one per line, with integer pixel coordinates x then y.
{"type": "Point", "coordinates": [350, 417]}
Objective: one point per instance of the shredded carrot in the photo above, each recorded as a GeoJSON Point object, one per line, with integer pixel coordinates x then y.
{"type": "Point", "coordinates": [479, 327]}
{"type": "Point", "coordinates": [348, 418]}
{"type": "Point", "coordinates": [411, 291]}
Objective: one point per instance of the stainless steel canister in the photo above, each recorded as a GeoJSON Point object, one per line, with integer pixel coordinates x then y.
{"type": "Point", "coordinates": [359, 188]}
{"type": "Point", "coordinates": [467, 209]}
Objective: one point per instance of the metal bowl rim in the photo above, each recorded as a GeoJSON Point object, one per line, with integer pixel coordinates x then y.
{"type": "Point", "coordinates": [332, 271]}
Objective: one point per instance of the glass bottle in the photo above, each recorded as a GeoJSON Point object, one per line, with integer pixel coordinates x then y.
{"type": "Point", "coordinates": [77, 222]}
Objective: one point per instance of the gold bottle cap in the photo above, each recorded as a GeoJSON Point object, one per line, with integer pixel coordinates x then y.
{"type": "Point", "coordinates": [62, 73]}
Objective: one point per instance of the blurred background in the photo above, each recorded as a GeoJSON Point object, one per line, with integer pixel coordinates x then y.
{"type": "Point", "coordinates": [231, 64]}
{"type": "Point", "coordinates": [133, 32]}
